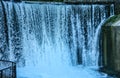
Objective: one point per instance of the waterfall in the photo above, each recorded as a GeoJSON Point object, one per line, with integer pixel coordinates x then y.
{"type": "Point", "coordinates": [52, 35]}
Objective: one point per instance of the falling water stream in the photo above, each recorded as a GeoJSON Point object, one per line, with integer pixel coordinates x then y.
{"type": "Point", "coordinates": [53, 40]}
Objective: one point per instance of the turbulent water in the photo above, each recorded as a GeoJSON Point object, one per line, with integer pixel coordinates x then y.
{"type": "Point", "coordinates": [52, 35]}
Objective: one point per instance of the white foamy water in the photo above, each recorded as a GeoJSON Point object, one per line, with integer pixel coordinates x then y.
{"type": "Point", "coordinates": [61, 72]}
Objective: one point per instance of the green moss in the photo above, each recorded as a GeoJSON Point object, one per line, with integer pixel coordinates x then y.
{"type": "Point", "coordinates": [112, 20]}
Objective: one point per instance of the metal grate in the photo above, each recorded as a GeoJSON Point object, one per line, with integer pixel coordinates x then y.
{"type": "Point", "coordinates": [7, 69]}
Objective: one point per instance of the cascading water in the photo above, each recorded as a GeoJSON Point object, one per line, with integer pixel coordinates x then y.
{"type": "Point", "coordinates": [50, 36]}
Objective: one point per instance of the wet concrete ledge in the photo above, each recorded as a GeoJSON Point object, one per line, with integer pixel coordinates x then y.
{"type": "Point", "coordinates": [75, 2]}
{"type": "Point", "coordinates": [68, 3]}
{"type": "Point", "coordinates": [87, 2]}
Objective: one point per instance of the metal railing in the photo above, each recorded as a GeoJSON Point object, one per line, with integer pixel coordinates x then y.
{"type": "Point", "coordinates": [7, 69]}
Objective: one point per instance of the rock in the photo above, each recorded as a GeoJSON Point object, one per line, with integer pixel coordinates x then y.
{"type": "Point", "coordinates": [111, 45]}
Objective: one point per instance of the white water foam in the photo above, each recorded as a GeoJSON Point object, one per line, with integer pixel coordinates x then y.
{"type": "Point", "coordinates": [61, 72]}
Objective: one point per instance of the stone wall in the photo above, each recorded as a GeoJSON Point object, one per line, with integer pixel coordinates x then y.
{"type": "Point", "coordinates": [111, 46]}
{"type": "Point", "coordinates": [117, 7]}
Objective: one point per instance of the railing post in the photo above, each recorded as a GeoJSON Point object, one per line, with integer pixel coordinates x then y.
{"type": "Point", "coordinates": [1, 73]}
{"type": "Point", "coordinates": [13, 70]}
